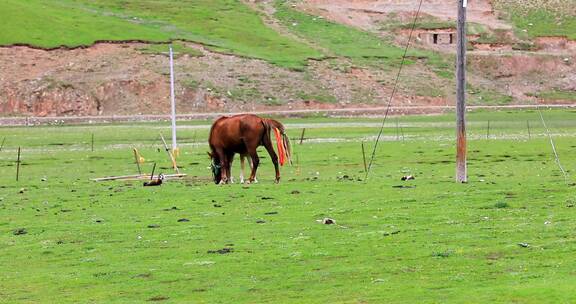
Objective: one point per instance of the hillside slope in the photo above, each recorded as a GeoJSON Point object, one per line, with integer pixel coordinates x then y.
{"type": "Point", "coordinates": [243, 56]}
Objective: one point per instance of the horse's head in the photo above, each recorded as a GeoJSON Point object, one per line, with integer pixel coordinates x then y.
{"type": "Point", "coordinates": [216, 168]}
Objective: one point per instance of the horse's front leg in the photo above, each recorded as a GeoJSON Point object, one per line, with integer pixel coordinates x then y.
{"type": "Point", "coordinates": [230, 161]}
{"type": "Point", "coordinates": [251, 166]}
{"type": "Point", "coordinates": [225, 170]}
{"type": "Point", "coordinates": [274, 158]}
{"type": "Point", "coordinates": [228, 165]}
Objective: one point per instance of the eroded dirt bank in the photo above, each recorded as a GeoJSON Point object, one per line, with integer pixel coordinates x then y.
{"type": "Point", "coordinates": [120, 79]}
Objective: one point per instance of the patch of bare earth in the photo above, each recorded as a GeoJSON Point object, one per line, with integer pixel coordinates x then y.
{"type": "Point", "coordinates": [119, 79]}
{"type": "Point", "coordinates": [523, 76]}
{"type": "Point", "coordinates": [366, 14]}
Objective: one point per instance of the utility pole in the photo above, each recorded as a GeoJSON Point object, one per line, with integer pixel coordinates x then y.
{"type": "Point", "coordinates": [461, 168]}
{"type": "Point", "coordinates": [173, 103]}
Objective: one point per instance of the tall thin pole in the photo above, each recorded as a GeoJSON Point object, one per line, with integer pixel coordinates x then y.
{"type": "Point", "coordinates": [461, 168]}
{"type": "Point", "coordinates": [174, 144]}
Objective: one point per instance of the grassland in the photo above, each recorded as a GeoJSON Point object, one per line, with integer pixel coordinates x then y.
{"type": "Point", "coordinates": [361, 47]}
{"type": "Point", "coordinates": [424, 241]}
{"type": "Point", "coordinates": [339, 40]}
{"type": "Point", "coordinates": [226, 25]}
{"type": "Point", "coordinates": [535, 18]}
{"type": "Point", "coordinates": [53, 23]}
{"type": "Point", "coordinates": [179, 49]}
{"type": "Point", "coordinates": [558, 95]}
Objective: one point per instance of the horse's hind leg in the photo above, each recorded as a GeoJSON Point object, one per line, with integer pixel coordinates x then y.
{"type": "Point", "coordinates": [274, 157]}
{"type": "Point", "coordinates": [250, 162]}
{"type": "Point", "coordinates": [242, 167]}
{"type": "Point", "coordinates": [255, 162]}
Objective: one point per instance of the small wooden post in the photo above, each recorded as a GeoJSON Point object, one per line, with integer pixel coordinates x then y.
{"type": "Point", "coordinates": [364, 158]}
{"type": "Point", "coordinates": [137, 161]}
{"type": "Point", "coordinates": [92, 146]}
{"type": "Point", "coordinates": [528, 125]}
{"type": "Point", "coordinates": [488, 130]}
{"type": "Point", "coordinates": [18, 166]}
{"type": "Point", "coordinates": [402, 133]}
{"type": "Point", "coordinates": [2, 145]}
{"type": "Point", "coordinates": [153, 169]}
{"type": "Point", "coordinates": [302, 135]}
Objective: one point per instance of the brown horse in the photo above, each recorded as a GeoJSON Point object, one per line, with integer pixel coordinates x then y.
{"type": "Point", "coordinates": [243, 134]}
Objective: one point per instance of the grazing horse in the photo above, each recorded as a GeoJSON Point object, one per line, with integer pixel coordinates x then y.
{"type": "Point", "coordinates": [242, 134]}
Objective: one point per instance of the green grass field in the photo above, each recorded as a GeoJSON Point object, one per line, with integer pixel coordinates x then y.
{"type": "Point", "coordinates": [224, 25]}
{"type": "Point", "coordinates": [534, 18]}
{"type": "Point", "coordinates": [425, 241]}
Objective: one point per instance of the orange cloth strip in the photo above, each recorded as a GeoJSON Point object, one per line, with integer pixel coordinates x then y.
{"type": "Point", "coordinates": [280, 146]}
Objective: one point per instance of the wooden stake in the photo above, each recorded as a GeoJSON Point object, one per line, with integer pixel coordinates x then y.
{"type": "Point", "coordinates": [153, 169]}
{"type": "Point", "coordinates": [528, 125]}
{"type": "Point", "coordinates": [461, 166]}
{"type": "Point", "coordinates": [135, 177]}
{"type": "Point", "coordinates": [302, 135]}
{"type": "Point", "coordinates": [137, 161]}
{"type": "Point", "coordinates": [92, 142]}
{"type": "Point", "coordinates": [364, 158]}
{"type": "Point", "coordinates": [18, 166]}
{"type": "Point", "coordinates": [174, 165]}
{"type": "Point", "coordinates": [2, 145]}
{"type": "Point", "coordinates": [488, 131]}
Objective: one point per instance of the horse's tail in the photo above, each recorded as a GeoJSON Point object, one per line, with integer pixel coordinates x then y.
{"type": "Point", "coordinates": [282, 141]}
